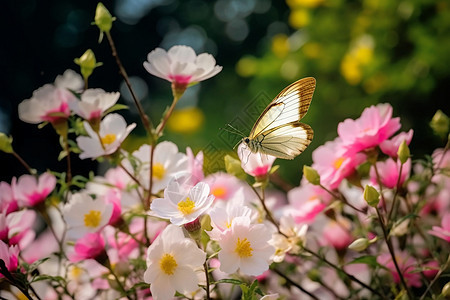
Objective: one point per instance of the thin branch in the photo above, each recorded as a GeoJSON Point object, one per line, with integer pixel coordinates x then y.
{"type": "Point", "coordinates": [291, 282]}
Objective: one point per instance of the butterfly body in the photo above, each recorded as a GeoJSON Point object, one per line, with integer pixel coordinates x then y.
{"type": "Point", "coordinates": [278, 130]}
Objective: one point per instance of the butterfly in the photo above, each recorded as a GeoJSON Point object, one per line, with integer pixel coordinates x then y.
{"type": "Point", "coordinates": [278, 130]}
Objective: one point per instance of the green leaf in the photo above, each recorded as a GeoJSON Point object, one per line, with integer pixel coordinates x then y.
{"type": "Point", "coordinates": [115, 107]}
{"type": "Point", "coordinates": [366, 259]}
{"type": "Point", "coordinates": [35, 265]}
{"type": "Point", "coordinates": [48, 277]}
{"type": "Point", "coordinates": [231, 281]}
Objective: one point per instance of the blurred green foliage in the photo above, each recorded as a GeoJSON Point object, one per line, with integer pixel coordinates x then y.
{"type": "Point", "coordinates": [360, 52]}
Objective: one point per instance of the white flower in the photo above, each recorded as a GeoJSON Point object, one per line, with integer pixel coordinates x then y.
{"type": "Point", "coordinates": [245, 247]}
{"type": "Point", "coordinates": [254, 164]}
{"type": "Point", "coordinates": [48, 103]}
{"type": "Point", "coordinates": [171, 263]}
{"type": "Point", "coordinates": [86, 215]}
{"type": "Point", "coordinates": [167, 163]}
{"type": "Point", "coordinates": [94, 103]}
{"type": "Point", "coordinates": [182, 205]}
{"type": "Point", "coordinates": [181, 65]}
{"type": "Point", "coordinates": [113, 131]}
{"type": "Point", "coordinates": [70, 80]}
{"type": "Point", "coordinates": [223, 214]}
{"type": "Point", "coordinates": [291, 240]}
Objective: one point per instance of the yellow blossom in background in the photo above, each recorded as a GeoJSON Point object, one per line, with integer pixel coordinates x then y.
{"type": "Point", "coordinates": [299, 18]}
{"type": "Point", "coordinates": [186, 120]}
{"type": "Point", "coordinates": [359, 56]}
{"type": "Point", "coordinates": [247, 66]}
{"type": "Point", "coordinates": [304, 3]}
{"type": "Point", "coordinates": [280, 45]}
{"type": "Point", "coordinates": [312, 50]}
{"type": "Point", "coordinates": [375, 83]}
{"type": "Point", "coordinates": [350, 69]}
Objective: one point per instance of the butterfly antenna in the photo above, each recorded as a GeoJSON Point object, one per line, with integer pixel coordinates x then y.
{"type": "Point", "coordinates": [235, 130]}
{"type": "Point", "coordinates": [237, 144]}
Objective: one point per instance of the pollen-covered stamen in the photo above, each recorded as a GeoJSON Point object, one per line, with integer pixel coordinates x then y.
{"type": "Point", "coordinates": [93, 218]}
{"type": "Point", "coordinates": [243, 248]}
{"type": "Point", "coordinates": [158, 171]}
{"type": "Point", "coordinates": [186, 206]}
{"type": "Point", "coordinates": [168, 264]}
{"type": "Point", "coordinates": [338, 162]}
{"type": "Point", "coordinates": [108, 139]}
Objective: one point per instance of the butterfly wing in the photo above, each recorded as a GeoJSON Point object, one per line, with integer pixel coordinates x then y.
{"type": "Point", "coordinates": [289, 106]}
{"type": "Point", "coordinates": [285, 141]}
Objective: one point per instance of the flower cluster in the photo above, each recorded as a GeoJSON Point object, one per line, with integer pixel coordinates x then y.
{"type": "Point", "coordinates": [365, 222]}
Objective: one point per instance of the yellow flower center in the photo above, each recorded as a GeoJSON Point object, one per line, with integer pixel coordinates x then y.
{"type": "Point", "coordinates": [186, 206]}
{"type": "Point", "coordinates": [168, 264]}
{"type": "Point", "coordinates": [243, 248]}
{"type": "Point", "coordinates": [108, 139]}
{"type": "Point", "coordinates": [92, 219]}
{"type": "Point", "coordinates": [158, 171]}
{"type": "Point", "coordinates": [228, 225]}
{"type": "Point", "coordinates": [75, 272]}
{"type": "Point", "coordinates": [338, 162]}
{"type": "Point", "coordinates": [219, 192]}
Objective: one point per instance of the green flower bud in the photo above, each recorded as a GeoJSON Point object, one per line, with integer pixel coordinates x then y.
{"type": "Point", "coordinates": [440, 123]}
{"type": "Point", "coordinates": [311, 175]}
{"type": "Point", "coordinates": [403, 152]}
{"type": "Point", "coordinates": [103, 19]}
{"type": "Point", "coordinates": [6, 143]}
{"type": "Point", "coordinates": [359, 244]}
{"type": "Point", "coordinates": [233, 167]}
{"type": "Point", "coordinates": [446, 290]}
{"type": "Point", "coordinates": [371, 196]}
{"type": "Point", "coordinates": [87, 63]}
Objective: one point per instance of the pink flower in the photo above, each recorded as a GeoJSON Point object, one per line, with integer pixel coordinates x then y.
{"type": "Point", "coordinates": [16, 227]}
{"type": "Point", "coordinates": [8, 200]}
{"type": "Point", "coordinates": [389, 171]}
{"type": "Point", "coordinates": [337, 234]}
{"type": "Point", "coordinates": [31, 191]}
{"type": "Point", "coordinates": [406, 266]}
{"type": "Point", "coordinates": [442, 232]}
{"type": "Point", "coordinates": [390, 147]}
{"type": "Point", "coordinates": [94, 103]}
{"type": "Point", "coordinates": [430, 269]}
{"type": "Point", "coordinates": [224, 186]}
{"type": "Point", "coordinates": [195, 165]}
{"type": "Point", "coordinates": [49, 103]}
{"type": "Point", "coordinates": [334, 163]}
{"type": "Point", "coordinates": [373, 127]}
{"type": "Point", "coordinates": [9, 254]}
{"type": "Point", "coordinates": [305, 203]}
{"type": "Point", "coordinates": [90, 246]}
{"type": "Point", "coordinates": [113, 197]}
{"type": "Point", "coordinates": [181, 65]}
{"type": "Point", "coordinates": [255, 164]}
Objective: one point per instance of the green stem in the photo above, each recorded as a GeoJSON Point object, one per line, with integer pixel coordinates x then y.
{"type": "Point", "coordinates": [442, 270]}
{"type": "Point", "coordinates": [144, 118]}
{"type": "Point", "coordinates": [291, 282]}
{"type": "Point", "coordinates": [119, 283]}
{"type": "Point", "coordinates": [268, 213]}
{"type": "Point", "coordinates": [205, 266]}
{"type": "Point", "coordinates": [161, 126]}
{"type": "Point", "coordinates": [392, 252]}
{"type": "Point", "coordinates": [341, 270]}
{"type": "Point", "coordinates": [394, 199]}
{"type": "Point", "coordinates": [20, 159]}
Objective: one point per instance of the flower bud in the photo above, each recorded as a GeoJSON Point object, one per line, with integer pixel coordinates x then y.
{"type": "Point", "coordinates": [359, 244]}
{"type": "Point", "coordinates": [371, 196]}
{"type": "Point", "coordinates": [403, 152]}
{"type": "Point", "coordinates": [87, 63]}
{"type": "Point", "coordinates": [233, 167]}
{"type": "Point", "coordinates": [311, 175]}
{"type": "Point", "coordinates": [103, 18]}
{"type": "Point", "coordinates": [446, 290]}
{"type": "Point", "coordinates": [440, 123]}
{"type": "Point", "coordinates": [6, 143]}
